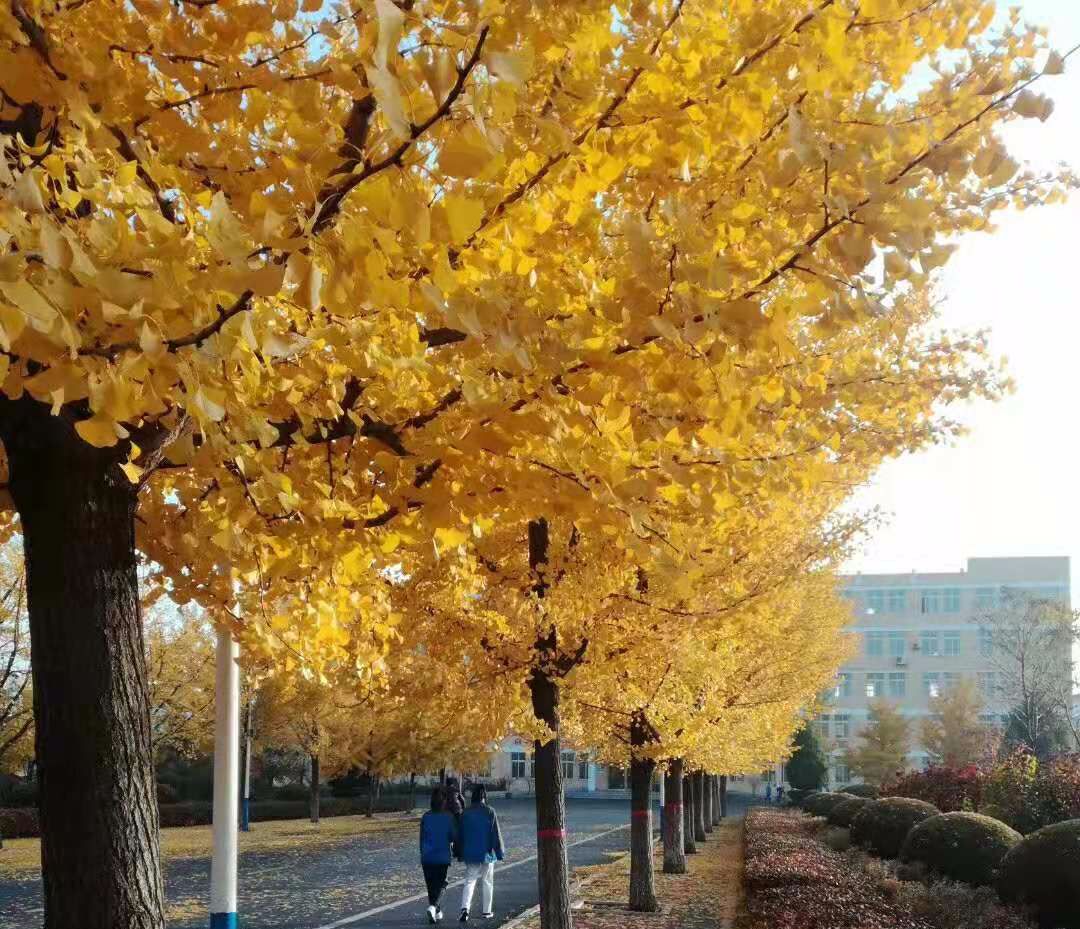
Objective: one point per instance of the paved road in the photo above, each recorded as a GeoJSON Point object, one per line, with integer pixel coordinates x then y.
{"type": "Point", "coordinates": [337, 886]}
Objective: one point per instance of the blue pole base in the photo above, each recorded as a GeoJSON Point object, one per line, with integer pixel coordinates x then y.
{"type": "Point", "coordinates": [224, 921]}
{"type": "Point", "coordinates": [245, 815]}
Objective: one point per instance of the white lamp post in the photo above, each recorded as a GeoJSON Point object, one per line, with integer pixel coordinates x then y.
{"type": "Point", "coordinates": [226, 783]}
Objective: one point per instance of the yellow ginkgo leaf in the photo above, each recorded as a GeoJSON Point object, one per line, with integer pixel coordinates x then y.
{"type": "Point", "coordinates": [99, 431]}
{"type": "Point", "coordinates": [463, 215]}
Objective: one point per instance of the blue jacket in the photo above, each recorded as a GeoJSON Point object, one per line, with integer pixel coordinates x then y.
{"type": "Point", "coordinates": [481, 838]}
{"type": "Point", "coordinates": [438, 833]}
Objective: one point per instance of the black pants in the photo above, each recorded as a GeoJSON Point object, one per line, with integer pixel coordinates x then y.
{"type": "Point", "coordinates": [435, 878]}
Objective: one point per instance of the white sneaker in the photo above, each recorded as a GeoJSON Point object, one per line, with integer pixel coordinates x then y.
{"type": "Point", "coordinates": [431, 915]}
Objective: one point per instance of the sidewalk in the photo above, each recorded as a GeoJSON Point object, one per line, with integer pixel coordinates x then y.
{"type": "Point", "coordinates": [706, 898]}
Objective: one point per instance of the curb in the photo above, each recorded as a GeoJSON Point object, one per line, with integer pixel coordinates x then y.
{"type": "Point", "coordinates": [576, 899]}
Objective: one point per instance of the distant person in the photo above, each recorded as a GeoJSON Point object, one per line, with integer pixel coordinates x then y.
{"type": "Point", "coordinates": [779, 794]}
{"type": "Point", "coordinates": [438, 835]}
{"type": "Point", "coordinates": [768, 792]}
{"type": "Point", "coordinates": [455, 800]}
{"type": "Point", "coordinates": [481, 846]}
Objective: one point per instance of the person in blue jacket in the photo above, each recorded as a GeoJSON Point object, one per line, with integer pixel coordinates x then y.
{"type": "Point", "coordinates": [481, 846]}
{"type": "Point", "coordinates": [438, 836]}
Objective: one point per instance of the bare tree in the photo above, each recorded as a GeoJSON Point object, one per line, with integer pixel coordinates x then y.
{"type": "Point", "coordinates": [1030, 642]}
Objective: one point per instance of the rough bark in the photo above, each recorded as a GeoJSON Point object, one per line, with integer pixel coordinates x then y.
{"type": "Point", "coordinates": [313, 796]}
{"type": "Point", "coordinates": [552, 869]}
{"type": "Point", "coordinates": [723, 796]}
{"type": "Point", "coordinates": [689, 845]}
{"type": "Point", "coordinates": [642, 872]}
{"type": "Point", "coordinates": [707, 801]}
{"type": "Point", "coordinates": [99, 817]}
{"type": "Point", "coordinates": [674, 846]}
{"type": "Point", "coordinates": [716, 815]}
{"type": "Point", "coordinates": [698, 781]}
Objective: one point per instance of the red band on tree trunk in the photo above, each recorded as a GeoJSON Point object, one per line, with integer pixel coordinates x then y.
{"type": "Point", "coordinates": [551, 834]}
{"type": "Point", "coordinates": [673, 806]}
{"type": "Point", "coordinates": [639, 814]}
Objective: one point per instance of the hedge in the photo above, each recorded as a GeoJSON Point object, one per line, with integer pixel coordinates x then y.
{"type": "Point", "coordinates": [843, 814]}
{"type": "Point", "coordinates": [822, 804]}
{"type": "Point", "coordinates": [883, 825]}
{"type": "Point", "coordinates": [966, 847]}
{"type": "Point", "coordinates": [868, 791]}
{"type": "Point", "coordinates": [21, 823]}
{"type": "Point", "coordinates": [1044, 869]}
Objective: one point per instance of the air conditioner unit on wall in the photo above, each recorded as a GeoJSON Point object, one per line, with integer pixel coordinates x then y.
{"type": "Point", "coordinates": [901, 662]}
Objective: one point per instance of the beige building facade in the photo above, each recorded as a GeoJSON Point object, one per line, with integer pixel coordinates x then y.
{"type": "Point", "coordinates": [917, 636]}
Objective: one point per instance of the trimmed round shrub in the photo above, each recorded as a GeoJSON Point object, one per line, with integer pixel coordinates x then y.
{"type": "Point", "coordinates": [882, 825]}
{"type": "Point", "coordinates": [844, 813]}
{"type": "Point", "coordinates": [964, 846]}
{"type": "Point", "coordinates": [822, 804]}
{"type": "Point", "coordinates": [861, 790]}
{"type": "Point", "coordinates": [1044, 869]}
{"type": "Point", "coordinates": [807, 797]}
{"type": "Point", "coordinates": [795, 796]}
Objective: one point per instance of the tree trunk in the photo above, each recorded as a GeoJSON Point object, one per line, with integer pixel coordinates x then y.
{"type": "Point", "coordinates": [716, 816]}
{"type": "Point", "coordinates": [412, 791]}
{"type": "Point", "coordinates": [552, 866]}
{"type": "Point", "coordinates": [689, 845]}
{"type": "Point", "coordinates": [707, 800]}
{"type": "Point", "coordinates": [674, 847]}
{"type": "Point", "coordinates": [723, 796]}
{"type": "Point", "coordinates": [698, 779]}
{"type": "Point", "coordinates": [98, 806]}
{"type": "Point", "coordinates": [313, 797]}
{"type": "Point", "coordinates": [642, 876]}
{"type": "Point", "coordinates": [372, 794]}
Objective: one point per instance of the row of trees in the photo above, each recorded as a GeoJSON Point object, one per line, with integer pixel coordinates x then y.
{"type": "Point", "coordinates": [527, 348]}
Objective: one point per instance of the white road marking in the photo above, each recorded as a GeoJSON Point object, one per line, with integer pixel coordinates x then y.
{"type": "Point", "coordinates": [416, 898]}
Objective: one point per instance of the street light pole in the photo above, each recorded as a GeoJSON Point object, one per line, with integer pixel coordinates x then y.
{"type": "Point", "coordinates": [226, 777]}
{"type": "Point", "coordinates": [245, 802]}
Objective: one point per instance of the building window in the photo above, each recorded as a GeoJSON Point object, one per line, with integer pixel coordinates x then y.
{"type": "Point", "coordinates": [897, 684]}
{"type": "Point", "coordinates": [988, 683]}
{"type": "Point", "coordinates": [841, 727]}
{"type": "Point", "coordinates": [951, 599]}
{"type": "Point", "coordinates": [949, 680]}
{"type": "Point", "coordinates": [583, 767]}
{"type": "Point", "coordinates": [929, 643]}
{"type": "Point", "coordinates": [875, 601]}
{"type": "Point", "coordinates": [875, 685]}
{"type": "Point", "coordinates": [952, 643]}
{"type": "Point", "coordinates": [986, 642]}
{"type": "Point", "coordinates": [518, 764]}
{"type": "Point", "coordinates": [843, 684]}
{"type": "Point", "coordinates": [821, 725]}
{"type": "Point", "coordinates": [986, 598]}
{"type": "Point", "coordinates": [897, 601]}
{"type": "Point", "coordinates": [567, 765]}
{"type": "Point", "coordinates": [875, 643]}
{"type": "Point", "coordinates": [932, 683]}
{"type": "Point", "coordinates": [842, 774]}
{"type": "Point", "coordinates": [897, 644]}
{"type": "Point", "coordinates": [931, 601]}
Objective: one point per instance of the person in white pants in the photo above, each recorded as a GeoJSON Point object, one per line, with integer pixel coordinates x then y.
{"type": "Point", "coordinates": [485, 874]}
{"type": "Point", "coordinates": [481, 846]}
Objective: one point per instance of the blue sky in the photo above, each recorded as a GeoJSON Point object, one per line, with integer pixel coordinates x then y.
{"type": "Point", "coordinates": [1012, 486]}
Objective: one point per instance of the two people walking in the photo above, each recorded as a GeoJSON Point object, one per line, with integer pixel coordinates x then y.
{"type": "Point", "coordinates": [472, 836]}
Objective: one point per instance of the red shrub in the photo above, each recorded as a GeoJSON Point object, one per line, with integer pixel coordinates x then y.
{"type": "Point", "coordinates": [1057, 790]}
{"type": "Point", "coordinates": [949, 789]}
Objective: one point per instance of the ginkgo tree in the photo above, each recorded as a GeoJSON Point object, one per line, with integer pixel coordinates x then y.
{"type": "Point", "coordinates": [284, 290]}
